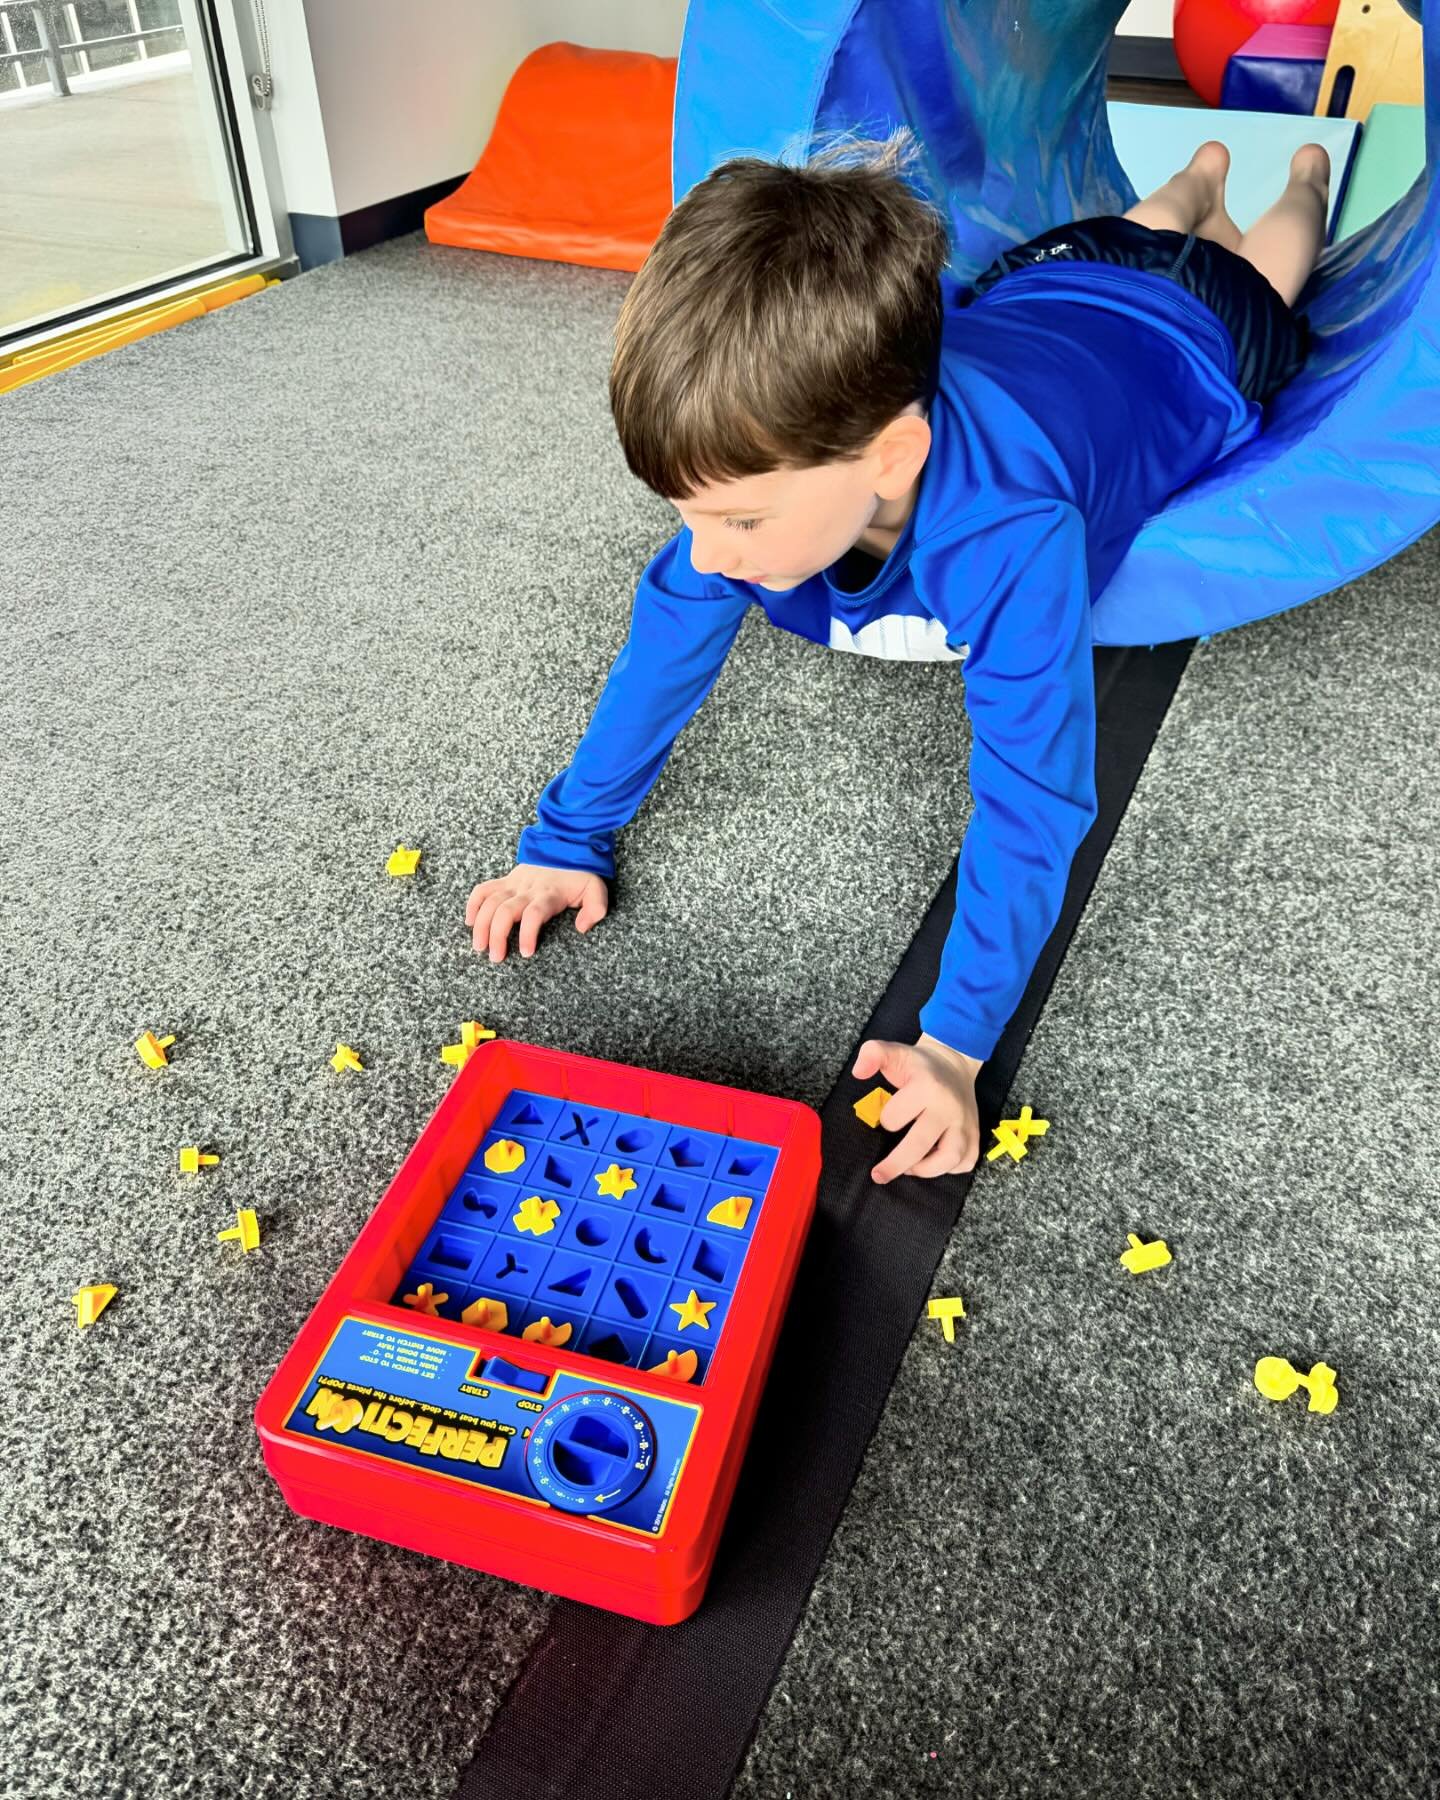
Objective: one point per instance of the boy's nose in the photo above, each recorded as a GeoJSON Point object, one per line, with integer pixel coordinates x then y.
{"type": "Point", "coordinates": [712, 560]}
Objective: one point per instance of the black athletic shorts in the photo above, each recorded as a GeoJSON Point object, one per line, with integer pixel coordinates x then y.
{"type": "Point", "coordinates": [1271, 340]}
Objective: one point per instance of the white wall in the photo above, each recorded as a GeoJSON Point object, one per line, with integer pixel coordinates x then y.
{"type": "Point", "coordinates": [408, 94]}
{"type": "Point", "coordinates": [373, 99]}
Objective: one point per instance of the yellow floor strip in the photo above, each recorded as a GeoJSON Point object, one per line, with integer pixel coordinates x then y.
{"type": "Point", "coordinates": [91, 341]}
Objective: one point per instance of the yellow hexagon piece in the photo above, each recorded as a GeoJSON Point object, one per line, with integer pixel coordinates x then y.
{"type": "Point", "coordinates": [504, 1156]}
{"type": "Point", "coordinates": [491, 1315]}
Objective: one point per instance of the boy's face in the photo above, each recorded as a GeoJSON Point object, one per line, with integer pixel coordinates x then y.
{"type": "Point", "coordinates": [778, 529]}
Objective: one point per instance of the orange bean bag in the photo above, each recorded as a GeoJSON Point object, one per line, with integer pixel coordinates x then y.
{"type": "Point", "coordinates": [577, 168]}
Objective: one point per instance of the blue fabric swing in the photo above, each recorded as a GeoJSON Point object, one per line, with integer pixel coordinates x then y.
{"type": "Point", "coordinates": [1007, 98]}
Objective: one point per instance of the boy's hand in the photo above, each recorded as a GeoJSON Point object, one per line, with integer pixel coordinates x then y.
{"type": "Point", "coordinates": [935, 1095]}
{"type": "Point", "coordinates": [532, 894]}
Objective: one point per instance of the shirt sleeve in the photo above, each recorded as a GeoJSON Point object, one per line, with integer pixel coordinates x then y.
{"type": "Point", "coordinates": [681, 630]}
{"type": "Point", "coordinates": [1030, 695]}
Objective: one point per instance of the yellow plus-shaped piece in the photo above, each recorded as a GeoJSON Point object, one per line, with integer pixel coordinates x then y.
{"type": "Point", "coordinates": [733, 1211]}
{"type": "Point", "coordinates": [1140, 1257]}
{"type": "Point", "coordinates": [537, 1215]}
{"type": "Point", "coordinates": [426, 1300]}
{"type": "Point", "coordinates": [947, 1312]}
{"type": "Point", "coordinates": [1012, 1134]}
{"type": "Point", "coordinates": [90, 1302]}
{"type": "Point", "coordinates": [693, 1310]}
{"type": "Point", "coordinates": [472, 1035]}
{"type": "Point", "coordinates": [402, 861]}
{"type": "Point", "coordinates": [616, 1181]}
{"type": "Point", "coordinates": [504, 1156]}
{"type": "Point", "coordinates": [193, 1160]}
{"type": "Point", "coordinates": [345, 1058]}
{"type": "Point", "coordinates": [245, 1231]}
{"type": "Point", "coordinates": [151, 1049]}
{"type": "Point", "coordinates": [1277, 1380]}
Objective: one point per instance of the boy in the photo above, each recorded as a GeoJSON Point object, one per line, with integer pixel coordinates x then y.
{"type": "Point", "coordinates": [890, 463]}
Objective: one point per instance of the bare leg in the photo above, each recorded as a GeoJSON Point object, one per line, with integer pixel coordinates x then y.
{"type": "Point", "coordinates": [1285, 243]}
{"type": "Point", "coordinates": [1193, 199]}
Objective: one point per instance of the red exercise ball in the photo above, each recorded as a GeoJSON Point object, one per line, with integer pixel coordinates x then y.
{"type": "Point", "coordinates": [1209, 32]}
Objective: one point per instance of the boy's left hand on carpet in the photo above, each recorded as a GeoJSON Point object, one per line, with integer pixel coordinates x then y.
{"type": "Point", "coordinates": [935, 1096]}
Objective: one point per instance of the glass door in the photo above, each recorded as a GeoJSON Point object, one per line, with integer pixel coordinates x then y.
{"type": "Point", "coordinates": [117, 166]}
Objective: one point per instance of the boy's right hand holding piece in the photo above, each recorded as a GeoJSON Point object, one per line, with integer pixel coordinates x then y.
{"type": "Point", "coordinates": [532, 894]}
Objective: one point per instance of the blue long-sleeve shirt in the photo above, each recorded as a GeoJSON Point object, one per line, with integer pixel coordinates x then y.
{"type": "Point", "coordinates": [1067, 404]}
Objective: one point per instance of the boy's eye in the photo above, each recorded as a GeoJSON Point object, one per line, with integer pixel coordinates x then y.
{"type": "Point", "coordinates": [743, 524]}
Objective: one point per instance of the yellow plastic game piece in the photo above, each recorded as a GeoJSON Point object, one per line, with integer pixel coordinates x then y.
{"type": "Point", "coordinates": [336, 1412]}
{"type": "Point", "coordinates": [733, 1211]}
{"type": "Point", "coordinates": [402, 861]}
{"type": "Point", "coordinates": [693, 1310]}
{"type": "Point", "coordinates": [869, 1109]}
{"type": "Point", "coordinates": [1012, 1133]}
{"type": "Point", "coordinates": [616, 1181]}
{"type": "Point", "coordinates": [245, 1230]}
{"type": "Point", "coordinates": [537, 1215]}
{"type": "Point", "coordinates": [90, 1302]}
{"type": "Point", "coordinates": [545, 1331]}
{"type": "Point", "coordinates": [1140, 1257]}
{"type": "Point", "coordinates": [472, 1034]}
{"type": "Point", "coordinates": [504, 1156]}
{"type": "Point", "coordinates": [151, 1049]}
{"type": "Point", "coordinates": [947, 1312]}
{"type": "Point", "coordinates": [1276, 1380]}
{"type": "Point", "coordinates": [679, 1365]}
{"type": "Point", "coordinates": [426, 1300]}
{"type": "Point", "coordinates": [491, 1315]}
{"type": "Point", "coordinates": [345, 1058]}
{"type": "Point", "coordinates": [193, 1160]}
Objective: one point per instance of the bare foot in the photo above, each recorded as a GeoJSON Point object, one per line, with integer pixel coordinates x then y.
{"type": "Point", "coordinates": [1211, 162]}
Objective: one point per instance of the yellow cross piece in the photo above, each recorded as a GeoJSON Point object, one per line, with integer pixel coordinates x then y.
{"type": "Point", "coordinates": [1012, 1134]}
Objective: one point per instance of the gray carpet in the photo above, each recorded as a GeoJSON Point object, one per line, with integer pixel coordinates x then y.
{"type": "Point", "coordinates": [345, 565]}
{"type": "Point", "coordinates": [340, 567]}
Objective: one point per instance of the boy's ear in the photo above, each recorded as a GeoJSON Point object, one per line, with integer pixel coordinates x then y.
{"type": "Point", "coordinates": [901, 448]}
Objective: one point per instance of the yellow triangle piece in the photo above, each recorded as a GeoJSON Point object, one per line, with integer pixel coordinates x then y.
{"type": "Point", "coordinates": [869, 1109]}
{"type": "Point", "coordinates": [90, 1302]}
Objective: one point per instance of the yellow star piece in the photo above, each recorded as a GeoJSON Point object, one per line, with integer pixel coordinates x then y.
{"type": "Point", "coordinates": [1140, 1257]}
{"type": "Point", "coordinates": [151, 1049]}
{"type": "Point", "coordinates": [679, 1365]}
{"type": "Point", "coordinates": [693, 1310]}
{"type": "Point", "coordinates": [193, 1160]}
{"type": "Point", "coordinates": [545, 1331]}
{"type": "Point", "coordinates": [490, 1315]}
{"type": "Point", "coordinates": [345, 1058]}
{"type": "Point", "coordinates": [869, 1109]}
{"type": "Point", "coordinates": [402, 861]}
{"type": "Point", "coordinates": [616, 1181]}
{"type": "Point", "coordinates": [537, 1215]}
{"type": "Point", "coordinates": [1276, 1380]}
{"type": "Point", "coordinates": [1012, 1134]}
{"type": "Point", "coordinates": [90, 1302]}
{"type": "Point", "coordinates": [245, 1230]}
{"type": "Point", "coordinates": [426, 1300]}
{"type": "Point", "coordinates": [947, 1312]}
{"type": "Point", "coordinates": [733, 1211]}
{"type": "Point", "coordinates": [503, 1156]}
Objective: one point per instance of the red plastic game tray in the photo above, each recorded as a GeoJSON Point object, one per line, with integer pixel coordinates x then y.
{"type": "Point", "coordinates": [449, 1420]}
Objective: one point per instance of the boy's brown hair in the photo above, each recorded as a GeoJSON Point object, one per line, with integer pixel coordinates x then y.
{"type": "Point", "coordinates": [783, 317]}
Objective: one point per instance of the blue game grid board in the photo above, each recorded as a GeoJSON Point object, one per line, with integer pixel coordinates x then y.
{"type": "Point", "coordinates": [619, 1269]}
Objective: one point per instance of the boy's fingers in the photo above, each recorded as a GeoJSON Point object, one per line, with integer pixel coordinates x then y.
{"type": "Point", "coordinates": [912, 1147]}
{"type": "Point", "coordinates": [591, 912]}
{"type": "Point", "coordinates": [480, 930]}
{"type": "Point", "coordinates": [500, 923]}
{"type": "Point", "coordinates": [533, 917]}
{"type": "Point", "coordinates": [472, 905]}
{"type": "Point", "coordinates": [904, 1106]}
{"type": "Point", "coordinates": [943, 1158]}
{"type": "Point", "coordinates": [879, 1057]}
